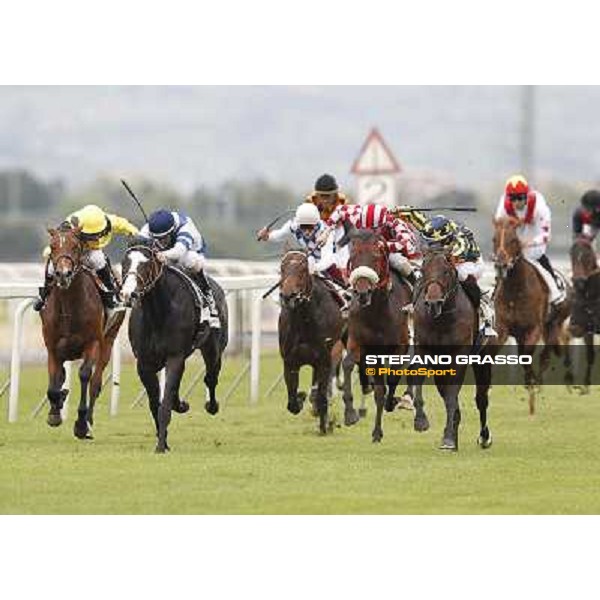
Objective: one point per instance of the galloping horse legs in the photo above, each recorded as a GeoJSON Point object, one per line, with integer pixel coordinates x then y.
{"type": "Point", "coordinates": [379, 402]}
{"type": "Point", "coordinates": [212, 361]}
{"type": "Point", "coordinates": [291, 374]}
{"type": "Point", "coordinates": [81, 428]}
{"type": "Point", "coordinates": [526, 345]}
{"type": "Point", "coordinates": [175, 367]}
{"type": "Point", "coordinates": [322, 372]}
{"type": "Point", "coordinates": [590, 355]}
{"type": "Point", "coordinates": [483, 378]}
{"type": "Point", "coordinates": [390, 400]}
{"type": "Point", "coordinates": [149, 379]}
{"type": "Point", "coordinates": [96, 380]}
{"type": "Point", "coordinates": [421, 422]}
{"type": "Point", "coordinates": [350, 415]}
{"type": "Point", "coordinates": [450, 395]}
{"type": "Point", "coordinates": [56, 395]}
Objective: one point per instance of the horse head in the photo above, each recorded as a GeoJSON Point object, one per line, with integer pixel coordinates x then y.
{"type": "Point", "coordinates": [141, 270]}
{"type": "Point", "coordinates": [66, 250]}
{"type": "Point", "coordinates": [507, 246]}
{"type": "Point", "coordinates": [583, 262]}
{"type": "Point", "coordinates": [369, 265]}
{"type": "Point", "coordinates": [296, 282]}
{"type": "Point", "coordinates": [439, 280]}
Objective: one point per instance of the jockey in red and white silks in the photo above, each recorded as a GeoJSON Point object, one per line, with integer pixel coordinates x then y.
{"type": "Point", "coordinates": [400, 237]}
{"type": "Point", "coordinates": [535, 227]}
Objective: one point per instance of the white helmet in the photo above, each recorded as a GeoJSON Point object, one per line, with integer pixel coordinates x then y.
{"type": "Point", "coordinates": [307, 214]}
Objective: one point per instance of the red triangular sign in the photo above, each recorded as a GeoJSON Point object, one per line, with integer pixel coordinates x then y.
{"type": "Point", "coordinates": [375, 157]}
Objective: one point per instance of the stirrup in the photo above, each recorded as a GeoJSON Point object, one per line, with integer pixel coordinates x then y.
{"type": "Point", "coordinates": [214, 322]}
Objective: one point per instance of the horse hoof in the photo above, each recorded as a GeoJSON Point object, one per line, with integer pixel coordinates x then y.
{"type": "Point", "coordinates": [377, 437]}
{"type": "Point", "coordinates": [54, 419]}
{"type": "Point", "coordinates": [294, 407]}
{"type": "Point", "coordinates": [406, 403]}
{"type": "Point", "coordinates": [421, 424]}
{"type": "Point", "coordinates": [80, 431]}
{"type": "Point", "coordinates": [484, 444]}
{"type": "Point", "coordinates": [449, 445]}
{"type": "Point", "coordinates": [212, 408]}
{"type": "Point", "coordinates": [362, 413]}
{"type": "Point", "coordinates": [390, 404]}
{"type": "Point", "coordinates": [181, 407]}
{"type": "Point", "coordinates": [350, 417]}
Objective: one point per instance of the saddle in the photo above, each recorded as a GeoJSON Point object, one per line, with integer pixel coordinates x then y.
{"type": "Point", "coordinates": [200, 302]}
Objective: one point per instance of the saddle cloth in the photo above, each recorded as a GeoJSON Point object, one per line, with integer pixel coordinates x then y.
{"type": "Point", "coordinates": [199, 300]}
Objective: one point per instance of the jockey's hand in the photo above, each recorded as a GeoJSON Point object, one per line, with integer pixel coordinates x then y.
{"type": "Point", "coordinates": [323, 237]}
{"type": "Point", "coordinates": [161, 257]}
{"type": "Point", "coordinates": [262, 235]}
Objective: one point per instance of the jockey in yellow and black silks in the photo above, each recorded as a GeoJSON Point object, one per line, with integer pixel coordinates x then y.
{"type": "Point", "coordinates": [96, 232]}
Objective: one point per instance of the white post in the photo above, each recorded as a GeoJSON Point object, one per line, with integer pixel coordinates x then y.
{"type": "Point", "coordinates": [15, 361]}
{"type": "Point", "coordinates": [64, 411]}
{"type": "Point", "coordinates": [116, 375]}
{"type": "Point", "coordinates": [255, 347]}
{"type": "Point", "coordinates": [232, 307]}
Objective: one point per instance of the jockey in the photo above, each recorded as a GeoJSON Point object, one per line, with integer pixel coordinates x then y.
{"type": "Point", "coordinates": [304, 230]}
{"type": "Point", "coordinates": [586, 218]}
{"type": "Point", "coordinates": [326, 196]}
{"type": "Point", "coordinates": [182, 245]}
{"type": "Point", "coordinates": [533, 213]}
{"type": "Point", "coordinates": [401, 240]}
{"type": "Point", "coordinates": [466, 256]}
{"type": "Point", "coordinates": [97, 230]}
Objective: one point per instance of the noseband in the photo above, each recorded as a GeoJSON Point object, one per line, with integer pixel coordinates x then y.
{"type": "Point", "coordinates": [449, 294]}
{"type": "Point", "coordinates": [305, 295]}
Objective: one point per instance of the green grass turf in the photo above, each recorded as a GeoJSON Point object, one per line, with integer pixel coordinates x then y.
{"type": "Point", "coordinates": [260, 459]}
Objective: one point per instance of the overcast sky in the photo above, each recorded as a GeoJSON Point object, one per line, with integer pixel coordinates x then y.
{"type": "Point", "coordinates": [204, 135]}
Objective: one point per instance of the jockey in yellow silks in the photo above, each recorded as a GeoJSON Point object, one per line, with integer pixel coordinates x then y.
{"type": "Point", "coordinates": [96, 232]}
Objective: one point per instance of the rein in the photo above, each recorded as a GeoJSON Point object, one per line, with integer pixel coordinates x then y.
{"type": "Point", "coordinates": [305, 295]}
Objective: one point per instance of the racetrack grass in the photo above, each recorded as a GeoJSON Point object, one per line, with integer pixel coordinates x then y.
{"type": "Point", "coordinates": [261, 459]}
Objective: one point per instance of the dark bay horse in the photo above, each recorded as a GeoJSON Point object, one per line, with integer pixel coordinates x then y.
{"type": "Point", "coordinates": [585, 311]}
{"type": "Point", "coordinates": [73, 323]}
{"type": "Point", "coordinates": [446, 323]}
{"type": "Point", "coordinates": [375, 317]}
{"type": "Point", "coordinates": [522, 306]}
{"type": "Point", "coordinates": [310, 327]}
{"type": "Point", "coordinates": [164, 329]}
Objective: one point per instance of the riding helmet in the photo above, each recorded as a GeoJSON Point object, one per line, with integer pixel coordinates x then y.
{"type": "Point", "coordinates": [517, 186]}
{"type": "Point", "coordinates": [307, 214]}
{"type": "Point", "coordinates": [326, 184]}
{"type": "Point", "coordinates": [439, 229]}
{"type": "Point", "coordinates": [161, 223]}
{"type": "Point", "coordinates": [93, 222]}
{"type": "Point", "coordinates": [591, 200]}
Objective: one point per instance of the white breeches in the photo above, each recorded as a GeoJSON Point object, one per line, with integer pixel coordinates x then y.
{"type": "Point", "coordinates": [534, 253]}
{"type": "Point", "coordinates": [465, 269]}
{"type": "Point", "coordinates": [400, 263]}
{"type": "Point", "coordinates": [192, 260]}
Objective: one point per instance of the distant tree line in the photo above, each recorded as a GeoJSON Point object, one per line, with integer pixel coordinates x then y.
{"type": "Point", "coordinates": [228, 215]}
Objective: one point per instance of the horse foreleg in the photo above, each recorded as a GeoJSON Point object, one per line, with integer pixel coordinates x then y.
{"type": "Point", "coordinates": [527, 346]}
{"type": "Point", "coordinates": [390, 400]}
{"type": "Point", "coordinates": [56, 395]}
{"type": "Point", "coordinates": [96, 380]}
{"type": "Point", "coordinates": [483, 380]}
{"type": "Point", "coordinates": [322, 372]}
{"type": "Point", "coordinates": [379, 402]}
{"type": "Point", "coordinates": [314, 393]}
{"type": "Point", "coordinates": [175, 367]}
{"type": "Point", "coordinates": [350, 415]}
{"type": "Point", "coordinates": [291, 375]}
{"type": "Point", "coordinates": [211, 353]}
{"type": "Point", "coordinates": [81, 428]}
{"type": "Point", "coordinates": [450, 395]}
{"type": "Point", "coordinates": [149, 380]}
{"type": "Point", "coordinates": [421, 422]}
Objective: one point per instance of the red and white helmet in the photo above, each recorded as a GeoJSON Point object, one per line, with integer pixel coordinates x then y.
{"type": "Point", "coordinates": [516, 186]}
{"type": "Point", "coordinates": [373, 216]}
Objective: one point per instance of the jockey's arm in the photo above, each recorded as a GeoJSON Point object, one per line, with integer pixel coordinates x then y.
{"type": "Point", "coordinates": [542, 223]}
{"type": "Point", "coordinates": [122, 226]}
{"type": "Point", "coordinates": [175, 253]}
{"type": "Point", "coordinates": [282, 234]}
{"type": "Point", "coordinates": [327, 259]}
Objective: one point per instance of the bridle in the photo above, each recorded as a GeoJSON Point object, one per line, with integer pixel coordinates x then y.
{"type": "Point", "coordinates": [155, 271]}
{"type": "Point", "coordinates": [449, 293]}
{"type": "Point", "coordinates": [75, 264]}
{"type": "Point", "coordinates": [304, 296]}
{"type": "Point", "coordinates": [511, 260]}
{"type": "Point", "coordinates": [382, 267]}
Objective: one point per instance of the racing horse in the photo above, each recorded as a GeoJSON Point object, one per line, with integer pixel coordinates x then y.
{"type": "Point", "coordinates": [310, 327]}
{"type": "Point", "coordinates": [522, 305]}
{"type": "Point", "coordinates": [446, 322]}
{"type": "Point", "coordinates": [165, 329]}
{"type": "Point", "coordinates": [375, 317]}
{"type": "Point", "coordinates": [73, 327]}
{"type": "Point", "coordinates": [585, 311]}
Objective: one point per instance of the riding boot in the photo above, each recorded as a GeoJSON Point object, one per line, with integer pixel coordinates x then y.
{"type": "Point", "coordinates": [207, 293]}
{"type": "Point", "coordinates": [109, 296]}
{"type": "Point", "coordinates": [545, 262]}
{"type": "Point", "coordinates": [44, 292]}
{"type": "Point", "coordinates": [472, 290]}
